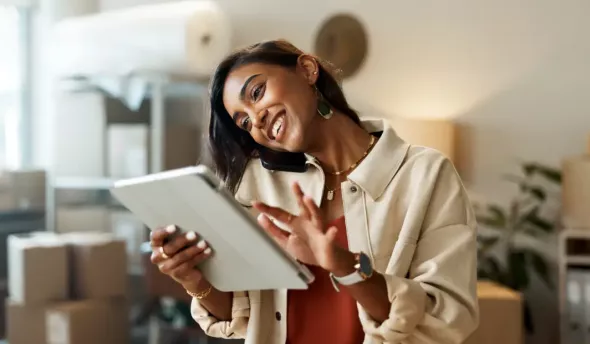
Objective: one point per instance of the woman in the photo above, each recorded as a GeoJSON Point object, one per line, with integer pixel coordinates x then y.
{"type": "Point", "coordinates": [386, 227]}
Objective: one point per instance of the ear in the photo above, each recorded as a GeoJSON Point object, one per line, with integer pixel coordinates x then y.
{"type": "Point", "coordinates": [309, 68]}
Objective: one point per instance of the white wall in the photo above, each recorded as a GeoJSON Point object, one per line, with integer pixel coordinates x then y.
{"type": "Point", "coordinates": [44, 88]}
{"type": "Point", "coordinates": [515, 74]}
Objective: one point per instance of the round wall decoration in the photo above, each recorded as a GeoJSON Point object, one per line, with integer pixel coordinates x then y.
{"type": "Point", "coordinates": [343, 41]}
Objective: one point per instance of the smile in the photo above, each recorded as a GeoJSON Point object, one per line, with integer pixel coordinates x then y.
{"type": "Point", "coordinates": [277, 128]}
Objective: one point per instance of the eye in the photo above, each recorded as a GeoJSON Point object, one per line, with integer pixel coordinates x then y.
{"type": "Point", "coordinates": [257, 92]}
{"type": "Point", "coordinates": [245, 123]}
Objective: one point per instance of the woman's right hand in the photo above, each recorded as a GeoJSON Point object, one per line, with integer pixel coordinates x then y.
{"type": "Point", "coordinates": [177, 255]}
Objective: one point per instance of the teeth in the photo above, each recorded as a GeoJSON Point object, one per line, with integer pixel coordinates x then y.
{"type": "Point", "coordinates": [277, 126]}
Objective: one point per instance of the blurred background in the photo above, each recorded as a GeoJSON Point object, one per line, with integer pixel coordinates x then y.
{"type": "Point", "coordinates": [92, 91]}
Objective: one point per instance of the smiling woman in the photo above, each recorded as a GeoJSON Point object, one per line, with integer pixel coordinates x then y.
{"type": "Point", "coordinates": [381, 223]}
{"type": "Point", "coordinates": [274, 65]}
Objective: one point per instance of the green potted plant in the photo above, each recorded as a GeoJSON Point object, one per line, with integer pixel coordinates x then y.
{"type": "Point", "coordinates": [502, 256]}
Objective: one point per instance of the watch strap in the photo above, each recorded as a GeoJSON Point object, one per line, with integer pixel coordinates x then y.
{"type": "Point", "coordinates": [351, 279]}
{"type": "Point", "coordinates": [363, 270]}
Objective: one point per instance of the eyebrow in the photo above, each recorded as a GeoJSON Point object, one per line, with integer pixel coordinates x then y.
{"type": "Point", "coordinates": [243, 90]}
{"type": "Point", "coordinates": [243, 93]}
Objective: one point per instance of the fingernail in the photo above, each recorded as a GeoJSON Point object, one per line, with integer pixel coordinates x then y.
{"type": "Point", "coordinates": [171, 229]}
{"type": "Point", "coordinates": [201, 244]}
{"type": "Point", "coordinates": [263, 218]}
{"type": "Point", "coordinates": [191, 236]}
{"type": "Point", "coordinates": [207, 251]}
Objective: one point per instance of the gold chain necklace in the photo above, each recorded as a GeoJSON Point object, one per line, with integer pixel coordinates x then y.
{"type": "Point", "coordinates": [351, 167]}
{"type": "Point", "coordinates": [330, 193]}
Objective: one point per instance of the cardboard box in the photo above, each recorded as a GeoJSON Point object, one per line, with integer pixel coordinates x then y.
{"type": "Point", "coordinates": [25, 324]}
{"type": "Point", "coordinates": [128, 150]}
{"type": "Point", "coordinates": [37, 268]}
{"type": "Point", "coordinates": [182, 146]}
{"type": "Point", "coordinates": [88, 322]}
{"type": "Point", "coordinates": [82, 219]}
{"type": "Point", "coordinates": [98, 265]}
{"type": "Point", "coordinates": [501, 315]}
{"type": "Point", "coordinates": [575, 192]}
{"type": "Point", "coordinates": [126, 226]}
{"type": "Point", "coordinates": [22, 190]}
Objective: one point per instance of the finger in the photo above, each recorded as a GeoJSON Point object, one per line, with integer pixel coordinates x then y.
{"type": "Point", "coordinates": [299, 195]}
{"type": "Point", "coordinates": [185, 268]}
{"type": "Point", "coordinates": [331, 234]}
{"type": "Point", "coordinates": [274, 212]}
{"type": "Point", "coordinates": [159, 235]}
{"type": "Point", "coordinates": [158, 257]}
{"type": "Point", "coordinates": [179, 242]}
{"type": "Point", "coordinates": [312, 208]}
{"type": "Point", "coordinates": [180, 258]}
{"type": "Point", "coordinates": [280, 235]}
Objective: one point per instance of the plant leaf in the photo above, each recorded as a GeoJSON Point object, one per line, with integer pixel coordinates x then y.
{"type": "Point", "coordinates": [540, 223]}
{"type": "Point", "coordinates": [487, 242]}
{"type": "Point", "coordinates": [498, 213]}
{"type": "Point", "coordinates": [490, 222]}
{"type": "Point", "coordinates": [524, 219]}
{"type": "Point", "coordinates": [493, 216]}
{"type": "Point", "coordinates": [533, 231]}
{"type": "Point", "coordinates": [489, 268]}
{"type": "Point", "coordinates": [541, 267]}
{"type": "Point", "coordinates": [529, 169]}
{"type": "Point", "coordinates": [536, 192]}
{"type": "Point", "coordinates": [550, 173]}
{"type": "Point", "coordinates": [528, 318]}
{"type": "Point", "coordinates": [519, 277]}
{"type": "Point", "coordinates": [513, 179]}
{"type": "Point", "coordinates": [514, 212]}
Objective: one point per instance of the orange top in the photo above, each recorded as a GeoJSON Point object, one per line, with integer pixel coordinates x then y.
{"type": "Point", "coordinates": [320, 314]}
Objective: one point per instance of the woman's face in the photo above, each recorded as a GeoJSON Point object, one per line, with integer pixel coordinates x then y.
{"type": "Point", "coordinates": [276, 105]}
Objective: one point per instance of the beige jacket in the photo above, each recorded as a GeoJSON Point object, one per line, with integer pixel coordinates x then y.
{"type": "Point", "coordinates": [405, 206]}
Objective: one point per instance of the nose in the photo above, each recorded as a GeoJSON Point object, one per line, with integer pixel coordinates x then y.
{"type": "Point", "coordinates": [259, 119]}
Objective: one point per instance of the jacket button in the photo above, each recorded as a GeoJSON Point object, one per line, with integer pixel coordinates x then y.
{"type": "Point", "coordinates": [278, 316]}
{"type": "Point", "coordinates": [353, 189]}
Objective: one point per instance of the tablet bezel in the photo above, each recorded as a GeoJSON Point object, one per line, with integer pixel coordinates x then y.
{"type": "Point", "coordinates": [217, 186]}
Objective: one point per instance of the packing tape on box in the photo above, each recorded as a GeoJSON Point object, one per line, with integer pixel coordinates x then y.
{"type": "Point", "coordinates": [576, 192]}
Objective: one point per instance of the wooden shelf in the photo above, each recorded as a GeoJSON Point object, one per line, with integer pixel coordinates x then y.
{"type": "Point", "coordinates": [83, 183]}
{"type": "Point", "coordinates": [578, 260]}
{"type": "Point", "coordinates": [575, 234]}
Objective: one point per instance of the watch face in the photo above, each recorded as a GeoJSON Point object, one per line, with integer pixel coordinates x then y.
{"type": "Point", "coordinates": [365, 266]}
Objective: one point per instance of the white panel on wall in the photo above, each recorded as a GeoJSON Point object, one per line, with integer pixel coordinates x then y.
{"type": "Point", "coordinates": [18, 2]}
{"type": "Point", "coordinates": [61, 9]}
{"type": "Point", "coordinates": [79, 136]}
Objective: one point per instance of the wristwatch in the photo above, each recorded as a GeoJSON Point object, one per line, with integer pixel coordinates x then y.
{"type": "Point", "coordinates": [364, 270]}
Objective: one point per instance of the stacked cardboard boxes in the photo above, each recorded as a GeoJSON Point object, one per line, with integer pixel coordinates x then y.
{"type": "Point", "coordinates": [500, 311]}
{"type": "Point", "coordinates": [67, 289]}
{"type": "Point", "coordinates": [37, 279]}
{"type": "Point", "coordinates": [576, 191]}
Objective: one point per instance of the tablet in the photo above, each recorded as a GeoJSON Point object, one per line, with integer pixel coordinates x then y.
{"type": "Point", "coordinates": [245, 257]}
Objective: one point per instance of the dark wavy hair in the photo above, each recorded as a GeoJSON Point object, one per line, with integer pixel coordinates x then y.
{"type": "Point", "coordinates": [230, 147]}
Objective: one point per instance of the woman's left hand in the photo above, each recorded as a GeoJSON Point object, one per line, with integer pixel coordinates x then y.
{"type": "Point", "coordinates": [308, 240]}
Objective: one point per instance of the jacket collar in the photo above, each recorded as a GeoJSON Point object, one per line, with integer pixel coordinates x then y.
{"type": "Point", "coordinates": [379, 167]}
